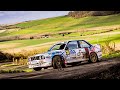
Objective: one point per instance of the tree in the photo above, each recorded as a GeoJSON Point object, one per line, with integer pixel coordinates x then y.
{"type": "Point", "coordinates": [79, 14]}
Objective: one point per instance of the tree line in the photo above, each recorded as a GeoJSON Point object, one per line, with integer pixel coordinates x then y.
{"type": "Point", "coordinates": [79, 14]}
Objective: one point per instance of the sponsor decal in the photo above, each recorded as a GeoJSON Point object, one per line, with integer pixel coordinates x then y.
{"type": "Point", "coordinates": [72, 52]}
{"type": "Point", "coordinates": [53, 53]}
{"type": "Point", "coordinates": [67, 52]}
{"type": "Point", "coordinates": [78, 54]}
{"type": "Point", "coordinates": [93, 48]}
{"type": "Point", "coordinates": [58, 52]}
{"type": "Point", "coordinates": [47, 56]}
{"type": "Point", "coordinates": [49, 52]}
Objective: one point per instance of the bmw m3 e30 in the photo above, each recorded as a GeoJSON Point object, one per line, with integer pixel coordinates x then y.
{"type": "Point", "coordinates": [64, 53]}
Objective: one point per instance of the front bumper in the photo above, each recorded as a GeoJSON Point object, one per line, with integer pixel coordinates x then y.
{"type": "Point", "coordinates": [37, 63]}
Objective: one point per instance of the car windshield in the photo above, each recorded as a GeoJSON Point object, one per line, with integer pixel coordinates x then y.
{"type": "Point", "coordinates": [58, 46]}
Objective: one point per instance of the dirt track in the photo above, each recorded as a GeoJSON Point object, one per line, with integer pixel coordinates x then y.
{"type": "Point", "coordinates": [71, 72]}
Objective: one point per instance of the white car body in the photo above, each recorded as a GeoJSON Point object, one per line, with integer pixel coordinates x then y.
{"type": "Point", "coordinates": [80, 53]}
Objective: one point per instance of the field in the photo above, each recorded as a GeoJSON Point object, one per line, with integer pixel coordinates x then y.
{"type": "Point", "coordinates": [38, 43]}
{"type": "Point", "coordinates": [62, 23]}
{"type": "Point", "coordinates": [103, 30]}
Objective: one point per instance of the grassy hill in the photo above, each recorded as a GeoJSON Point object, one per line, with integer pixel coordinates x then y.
{"type": "Point", "coordinates": [59, 24]}
{"type": "Point", "coordinates": [95, 29]}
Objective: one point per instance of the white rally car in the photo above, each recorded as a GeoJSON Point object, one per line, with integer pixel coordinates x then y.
{"type": "Point", "coordinates": [61, 54]}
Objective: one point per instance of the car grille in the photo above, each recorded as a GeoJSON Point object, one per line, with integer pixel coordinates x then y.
{"type": "Point", "coordinates": [37, 58]}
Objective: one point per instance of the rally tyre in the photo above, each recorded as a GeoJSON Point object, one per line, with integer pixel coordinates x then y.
{"type": "Point", "coordinates": [93, 57]}
{"type": "Point", "coordinates": [37, 68]}
{"type": "Point", "coordinates": [58, 62]}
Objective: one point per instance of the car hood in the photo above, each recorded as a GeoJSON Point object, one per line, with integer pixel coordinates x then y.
{"type": "Point", "coordinates": [49, 53]}
{"type": "Point", "coordinates": [56, 52]}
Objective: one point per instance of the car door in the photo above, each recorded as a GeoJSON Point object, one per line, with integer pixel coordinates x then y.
{"type": "Point", "coordinates": [71, 51]}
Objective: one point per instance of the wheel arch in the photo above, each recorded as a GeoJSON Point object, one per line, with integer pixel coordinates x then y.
{"type": "Point", "coordinates": [93, 52]}
{"type": "Point", "coordinates": [62, 58]}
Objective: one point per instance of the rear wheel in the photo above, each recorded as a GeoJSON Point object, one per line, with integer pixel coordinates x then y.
{"type": "Point", "coordinates": [93, 57]}
{"type": "Point", "coordinates": [37, 68]}
{"type": "Point", "coordinates": [58, 62]}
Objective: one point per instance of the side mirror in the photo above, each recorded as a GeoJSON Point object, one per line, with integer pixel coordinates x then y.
{"type": "Point", "coordinates": [49, 50]}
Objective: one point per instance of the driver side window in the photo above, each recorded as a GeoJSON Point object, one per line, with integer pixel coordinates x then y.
{"type": "Point", "coordinates": [72, 45]}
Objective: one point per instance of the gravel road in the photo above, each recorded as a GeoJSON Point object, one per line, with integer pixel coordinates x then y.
{"type": "Point", "coordinates": [71, 72]}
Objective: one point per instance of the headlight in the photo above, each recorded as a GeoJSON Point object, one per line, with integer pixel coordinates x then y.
{"type": "Point", "coordinates": [29, 59]}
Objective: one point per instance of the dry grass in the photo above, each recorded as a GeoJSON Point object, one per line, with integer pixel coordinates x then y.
{"type": "Point", "coordinates": [11, 45]}
{"type": "Point", "coordinates": [108, 47]}
{"type": "Point", "coordinates": [30, 48]}
{"type": "Point", "coordinates": [20, 61]}
{"type": "Point", "coordinates": [14, 67]}
{"type": "Point", "coordinates": [21, 58]}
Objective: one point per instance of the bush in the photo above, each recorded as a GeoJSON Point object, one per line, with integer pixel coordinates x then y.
{"type": "Point", "coordinates": [2, 56]}
{"type": "Point", "coordinates": [108, 47]}
{"type": "Point", "coordinates": [5, 56]}
{"type": "Point", "coordinates": [31, 37]}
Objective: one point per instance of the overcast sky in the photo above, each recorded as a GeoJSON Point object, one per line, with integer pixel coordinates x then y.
{"type": "Point", "coordinates": [10, 17]}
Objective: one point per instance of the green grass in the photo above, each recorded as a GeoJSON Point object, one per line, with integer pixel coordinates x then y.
{"type": "Point", "coordinates": [14, 68]}
{"type": "Point", "coordinates": [101, 38]}
{"type": "Point", "coordinates": [24, 43]}
{"type": "Point", "coordinates": [63, 23]}
{"type": "Point", "coordinates": [11, 71]}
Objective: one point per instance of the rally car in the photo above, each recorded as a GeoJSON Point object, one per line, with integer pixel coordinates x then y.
{"type": "Point", "coordinates": [64, 53]}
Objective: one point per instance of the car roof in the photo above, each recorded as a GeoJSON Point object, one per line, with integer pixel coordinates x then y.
{"type": "Point", "coordinates": [68, 41]}
{"type": "Point", "coordinates": [76, 40]}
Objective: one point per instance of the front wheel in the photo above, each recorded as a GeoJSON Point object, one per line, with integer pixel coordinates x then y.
{"type": "Point", "coordinates": [58, 62]}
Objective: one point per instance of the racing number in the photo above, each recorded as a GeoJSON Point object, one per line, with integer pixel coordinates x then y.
{"type": "Point", "coordinates": [67, 52]}
{"type": "Point", "coordinates": [72, 53]}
